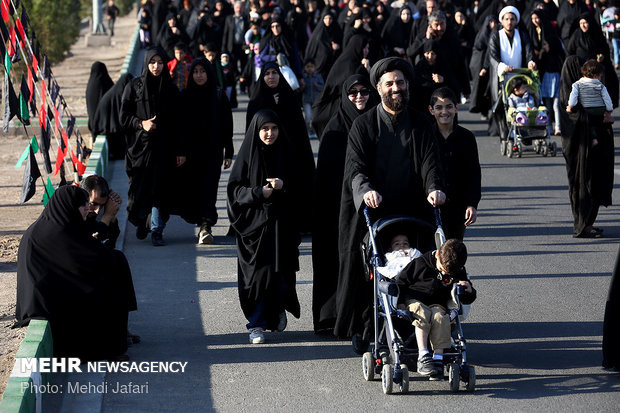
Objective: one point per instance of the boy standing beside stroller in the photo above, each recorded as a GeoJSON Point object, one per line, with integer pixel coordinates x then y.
{"type": "Point", "coordinates": [459, 157]}
{"type": "Point", "coordinates": [425, 288]}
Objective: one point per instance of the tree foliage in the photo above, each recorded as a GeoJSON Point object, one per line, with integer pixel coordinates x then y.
{"type": "Point", "coordinates": [56, 24]}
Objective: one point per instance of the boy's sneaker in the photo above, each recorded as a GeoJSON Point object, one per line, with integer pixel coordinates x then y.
{"type": "Point", "coordinates": [426, 366]}
{"type": "Point", "coordinates": [438, 365]}
{"type": "Point", "coordinates": [157, 239]}
{"type": "Point", "coordinates": [282, 322]}
{"type": "Point", "coordinates": [205, 236]}
{"type": "Point", "coordinates": [257, 335]}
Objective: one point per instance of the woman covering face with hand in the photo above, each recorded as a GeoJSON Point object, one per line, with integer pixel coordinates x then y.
{"type": "Point", "coordinates": [262, 209]}
{"type": "Point", "coordinates": [357, 97]}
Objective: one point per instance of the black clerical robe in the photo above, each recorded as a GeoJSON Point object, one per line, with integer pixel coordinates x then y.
{"type": "Point", "coordinates": [398, 158]}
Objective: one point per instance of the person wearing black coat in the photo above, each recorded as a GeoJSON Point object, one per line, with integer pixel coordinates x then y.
{"type": "Point", "coordinates": [392, 166]}
{"type": "Point", "coordinates": [611, 323]}
{"type": "Point", "coordinates": [149, 112]}
{"type": "Point", "coordinates": [589, 42]}
{"type": "Point", "coordinates": [352, 61]}
{"type": "Point", "coordinates": [590, 169]}
{"type": "Point", "coordinates": [273, 92]}
{"type": "Point", "coordinates": [107, 119]}
{"type": "Point", "coordinates": [480, 99]}
{"type": "Point", "coordinates": [458, 152]}
{"type": "Point", "coordinates": [66, 276]}
{"type": "Point", "coordinates": [208, 128]}
{"type": "Point", "coordinates": [568, 18]}
{"type": "Point", "coordinates": [262, 208]}
{"type": "Point", "coordinates": [397, 31]}
{"type": "Point", "coordinates": [504, 55]}
{"type": "Point", "coordinates": [233, 37]}
{"type": "Point", "coordinates": [325, 44]}
{"type": "Point", "coordinates": [328, 185]}
{"type": "Point", "coordinates": [99, 83]}
{"type": "Point", "coordinates": [279, 39]}
{"type": "Point", "coordinates": [171, 34]}
{"type": "Point", "coordinates": [448, 50]}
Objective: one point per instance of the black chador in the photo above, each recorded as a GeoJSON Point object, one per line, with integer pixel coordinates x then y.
{"type": "Point", "coordinates": [66, 276]}
{"type": "Point", "coordinates": [328, 188]}
{"type": "Point", "coordinates": [267, 242]}
{"type": "Point", "coordinates": [151, 156]}
{"type": "Point", "coordinates": [397, 157]}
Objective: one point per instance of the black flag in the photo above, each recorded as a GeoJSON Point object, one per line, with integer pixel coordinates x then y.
{"type": "Point", "coordinates": [11, 104]}
{"type": "Point", "coordinates": [31, 174]}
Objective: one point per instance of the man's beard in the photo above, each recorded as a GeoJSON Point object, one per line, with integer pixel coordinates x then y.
{"type": "Point", "coordinates": [396, 105]}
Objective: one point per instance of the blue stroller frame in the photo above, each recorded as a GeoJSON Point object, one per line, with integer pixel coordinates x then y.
{"type": "Point", "coordinates": [393, 353]}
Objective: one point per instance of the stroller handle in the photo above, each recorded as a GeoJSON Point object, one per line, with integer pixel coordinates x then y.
{"type": "Point", "coordinates": [437, 217]}
{"type": "Point", "coordinates": [367, 216]}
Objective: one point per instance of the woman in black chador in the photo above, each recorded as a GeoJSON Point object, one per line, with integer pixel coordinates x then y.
{"type": "Point", "coordinates": [589, 42]}
{"type": "Point", "coordinates": [273, 92]}
{"type": "Point", "coordinates": [99, 83]}
{"type": "Point", "coordinates": [479, 69]}
{"type": "Point", "coordinates": [397, 31]}
{"type": "Point", "coordinates": [352, 61]}
{"type": "Point", "coordinates": [262, 209]}
{"type": "Point", "coordinates": [64, 275]}
{"type": "Point", "coordinates": [149, 113]}
{"type": "Point", "coordinates": [590, 168]}
{"type": "Point", "coordinates": [325, 43]}
{"type": "Point", "coordinates": [358, 96]}
{"type": "Point", "coordinates": [208, 130]}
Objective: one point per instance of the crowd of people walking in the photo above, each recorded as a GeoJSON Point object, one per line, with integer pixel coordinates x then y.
{"type": "Point", "coordinates": [381, 83]}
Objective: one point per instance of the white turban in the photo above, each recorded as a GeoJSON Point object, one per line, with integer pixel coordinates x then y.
{"type": "Point", "coordinates": [510, 9]}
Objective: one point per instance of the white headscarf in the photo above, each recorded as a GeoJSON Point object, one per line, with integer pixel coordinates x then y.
{"type": "Point", "coordinates": [509, 9]}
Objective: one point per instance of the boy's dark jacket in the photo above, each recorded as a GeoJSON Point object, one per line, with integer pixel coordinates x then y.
{"type": "Point", "coordinates": [421, 280]}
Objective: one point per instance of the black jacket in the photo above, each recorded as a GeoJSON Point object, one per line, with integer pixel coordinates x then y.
{"type": "Point", "coordinates": [228, 36]}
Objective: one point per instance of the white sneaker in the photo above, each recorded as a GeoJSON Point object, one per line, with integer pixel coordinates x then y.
{"type": "Point", "coordinates": [282, 322]}
{"type": "Point", "coordinates": [205, 236]}
{"type": "Point", "coordinates": [257, 335]}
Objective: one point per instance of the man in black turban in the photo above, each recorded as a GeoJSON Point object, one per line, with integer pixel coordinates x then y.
{"type": "Point", "coordinates": [392, 167]}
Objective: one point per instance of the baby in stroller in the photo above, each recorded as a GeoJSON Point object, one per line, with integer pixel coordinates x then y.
{"type": "Point", "coordinates": [520, 98]}
{"type": "Point", "coordinates": [425, 288]}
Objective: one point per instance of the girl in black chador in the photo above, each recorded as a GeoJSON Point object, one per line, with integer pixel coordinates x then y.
{"type": "Point", "coordinates": [262, 208]}
{"type": "Point", "coordinates": [149, 112]}
{"type": "Point", "coordinates": [273, 92]}
{"type": "Point", "coordinates": [208, 130]}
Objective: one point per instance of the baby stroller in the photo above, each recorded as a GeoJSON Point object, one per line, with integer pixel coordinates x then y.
{"type": "Point", "coordinates": [395, 351]}
{"type": "Point", "coordinates": [524, 127]}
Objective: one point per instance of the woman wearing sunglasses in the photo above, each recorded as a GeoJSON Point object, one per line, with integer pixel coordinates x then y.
{"type": "Point", "coordinates": [357, 97]}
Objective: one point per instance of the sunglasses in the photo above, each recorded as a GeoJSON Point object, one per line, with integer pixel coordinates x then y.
{"type": "Point", "coordinates": [363, 92]}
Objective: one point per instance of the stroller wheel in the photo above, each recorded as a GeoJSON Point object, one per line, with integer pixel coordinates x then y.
{"type": "Point", "coordinates": [454, 376]}
{"type": "Point", "coordinates": [519, 150]}
{"type": "Point", "coordinates": [404, 384]}
{"type": "Point", "coordinates": [544, 151]}
{"type": "Point", "coordinates": [387, 378]}
{"type": "Point", "coordinates": [471, 383]}
{"type": "Point", "coordinates": [368, 366]}
{"type": "Point", "coordinates": [503, 147]}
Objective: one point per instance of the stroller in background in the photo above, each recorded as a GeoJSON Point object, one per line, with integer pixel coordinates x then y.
{"type": "Point", "coordinates": [524, 128]}
{"type": "Point", "coordinates": [395, 349]}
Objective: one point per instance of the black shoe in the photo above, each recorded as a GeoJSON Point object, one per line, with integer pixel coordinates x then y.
{"type": "Point", "coordinates": [157, 239]}
{"type": "Point", "coordinates": [438, 366]}
{"type": "Point", "coordinates": [360, 346]}
{"type": "Point", "coordinates": [142, 231]}
{"type": "Point", "coordinates": [426, 366]}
